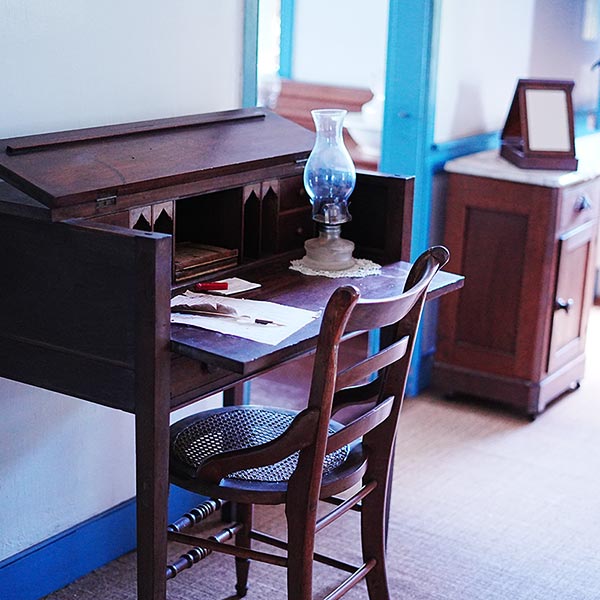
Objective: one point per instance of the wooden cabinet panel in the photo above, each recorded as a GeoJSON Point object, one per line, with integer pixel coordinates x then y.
{"type": "Point", "coordinates": [573, 291]}
{"type": "Point", "coordinates": [494, 262]}
{"type": "Point", "coordinates": [516, 332]}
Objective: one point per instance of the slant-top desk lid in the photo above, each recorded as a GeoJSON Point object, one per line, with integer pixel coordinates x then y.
{"type": "Point", "coordinates": [70, 170]}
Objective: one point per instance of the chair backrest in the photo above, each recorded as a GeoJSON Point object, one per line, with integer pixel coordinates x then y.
{"type": "Point", "coordinates": [377, 381]}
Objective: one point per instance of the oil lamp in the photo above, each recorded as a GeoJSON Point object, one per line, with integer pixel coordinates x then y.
{"type": "Point", "coordinates": [329, 178]}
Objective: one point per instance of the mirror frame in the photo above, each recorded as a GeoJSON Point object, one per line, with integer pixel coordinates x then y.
{"type": "Point", "coordinates": [515, 135]}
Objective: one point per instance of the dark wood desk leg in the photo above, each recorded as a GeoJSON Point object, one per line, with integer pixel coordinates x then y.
{"type": "Point", "coordinates": [152, 435]}
{"type": "Point", "coordinates": [152, 409]}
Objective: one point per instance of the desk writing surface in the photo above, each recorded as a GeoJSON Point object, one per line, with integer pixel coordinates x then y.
{"type": "Point", "coordinates": [279, 284]}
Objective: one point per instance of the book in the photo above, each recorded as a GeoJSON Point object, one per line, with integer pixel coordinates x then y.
{"type": "Point", "coordinates": [193, 259]}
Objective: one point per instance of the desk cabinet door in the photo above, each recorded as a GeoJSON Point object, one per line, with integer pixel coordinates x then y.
{"type": "Point", "coordinates": [381, 207]}
{"type": "Point", "coordinates": [573, 291]}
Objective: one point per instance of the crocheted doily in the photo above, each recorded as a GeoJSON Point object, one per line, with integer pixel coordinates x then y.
{"type": "Point", "coordinates": [361, 268]}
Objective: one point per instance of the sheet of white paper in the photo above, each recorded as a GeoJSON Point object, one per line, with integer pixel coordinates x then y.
{"type": "Point", "coordinates": [292, 319]}
{"type": "Point", "coordinates": [236, 285]}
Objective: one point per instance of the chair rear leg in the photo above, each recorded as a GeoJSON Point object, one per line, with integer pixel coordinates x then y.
{"type": "Point", "coordinates": [373, 538]}
{"type": "Point", "coordinates": [244, 514]}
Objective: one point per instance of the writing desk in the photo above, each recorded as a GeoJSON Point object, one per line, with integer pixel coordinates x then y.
{"type": "Point", "coordinates": [90, 274]}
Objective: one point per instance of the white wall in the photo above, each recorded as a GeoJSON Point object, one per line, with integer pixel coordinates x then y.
{"type": "Point", "coordinates": [340, 42]}
{"type": "Point", "coordinates": [74, 63]}
{"type": "Point", "coordinates": [568, 55]}
{"type": "Point", "coordinates": [485, 47]}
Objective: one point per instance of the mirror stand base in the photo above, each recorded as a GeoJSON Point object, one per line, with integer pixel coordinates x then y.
{"type": "Point", "coordinates": [516, 156]}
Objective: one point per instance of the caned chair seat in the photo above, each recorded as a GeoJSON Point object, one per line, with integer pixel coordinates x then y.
{"type": "Point", "coordinates": [198, 437]}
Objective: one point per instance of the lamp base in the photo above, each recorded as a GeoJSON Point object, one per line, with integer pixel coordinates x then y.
{"type": "Point", "coordinates": [329, 252]}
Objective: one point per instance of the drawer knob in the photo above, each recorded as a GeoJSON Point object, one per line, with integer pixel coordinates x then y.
{"type": "Point", "coordinates": [562, 304]}
{"type": "Point", "coordinates": [582, 203]}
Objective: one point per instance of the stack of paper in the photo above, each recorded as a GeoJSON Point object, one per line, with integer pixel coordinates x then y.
{"type": "Point", "coordinates": [288, 318]}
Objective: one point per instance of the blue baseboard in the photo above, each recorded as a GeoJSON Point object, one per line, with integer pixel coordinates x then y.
{"type": "Point", "coordinates": [63, 558]}
{"type": "Point", "coordinates": [445, 151]}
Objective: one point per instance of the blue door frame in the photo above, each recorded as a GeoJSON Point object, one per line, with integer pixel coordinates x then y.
{"type": "Point", "coordinates": [250, 53]}
{"type": "Point", "coordinates": [286, 46]}
{"type": "Point", "coordinates": [413, 27]}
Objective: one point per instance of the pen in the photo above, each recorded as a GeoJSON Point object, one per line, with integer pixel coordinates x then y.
{"type": "Point", "coordinates": [186, 309]}
{"type": "Point", "coordinates": [211, 285]}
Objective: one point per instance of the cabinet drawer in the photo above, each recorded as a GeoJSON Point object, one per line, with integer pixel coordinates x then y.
{"type": "Point", "coordinates": [190, 378]}
{"type": "Point", "coordinates": [295, 227]}
{"type": "Point", "coordinates": [579, 205]}
{"type": "Point", "coordinates": [292, 194]}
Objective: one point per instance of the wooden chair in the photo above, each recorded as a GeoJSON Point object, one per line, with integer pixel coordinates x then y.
{"type": "Point", "coordinates": [259, 455]}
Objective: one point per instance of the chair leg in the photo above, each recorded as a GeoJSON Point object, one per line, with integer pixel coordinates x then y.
{"type": "Point", "coordinates": [244, 513]}
{"type": "Point", "coordinates": [373, 537]}
{"type": "Point", "coordinates": [301, 543]}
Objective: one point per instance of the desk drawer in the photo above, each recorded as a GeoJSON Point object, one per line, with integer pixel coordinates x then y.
{"type": "Point", "coordinates": [579, 205]}
{"type": "Point", "coordinates": [295, 227]}
{"type": "Point", "coordinates": [292, 193]}
{"type": "Point", "coordinates": [192, 379]}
